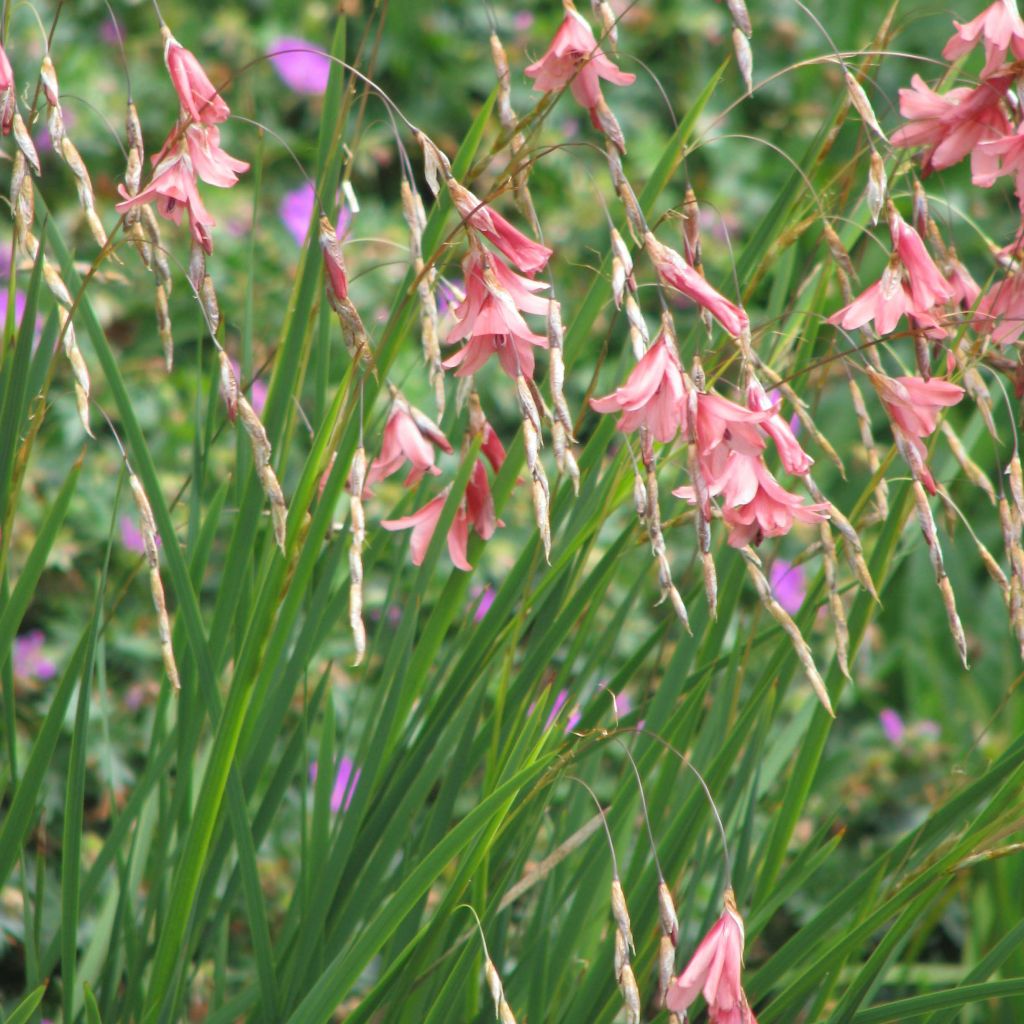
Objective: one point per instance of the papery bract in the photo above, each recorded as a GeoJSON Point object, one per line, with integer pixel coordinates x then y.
{"type": "Point", "coordinates": [575, 59]}
{"type": "Point", "coordinates": [652, 397]}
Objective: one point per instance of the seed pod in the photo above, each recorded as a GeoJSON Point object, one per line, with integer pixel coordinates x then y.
{"type": "Point", "coordinates": [621, 914]}
{"type": "Point", "coordinates": [861, 103]}
{"type": "Point", "coordinates": [835, 601]}
{"type": "Point", "coordinates": [666, 967]}
{"type": "Point", "coordinates": [877, 184]}
{"type": "Point", "coordinates": [781, 616]}
{"type": "Point", "coordinates": [147, 527]}
{"type": "Point", "coordinates": [638, 336]}
{"type": "Point", "coordinates": [609, 125]}
{"type": "Point", "coordinates": [609, 26]}
{"type": "Point", "coordinates": [630, 994]}
{"type": "Point", "coordinates": [24, 143]}
{"type": "Point", "coordinates": [667, 913]}
{"type": "Point", "coordinates": [163, 326]}
{"type": "Point", "coordinates": [927, 523]}
{"type": "Point", "coordinates": [744, 58]}
{"type": "Point", "coordinates": [208, 300]}
{"type": "Point", "coordinates": [356, 483]}
{"type": "Point", "coordinates": [740, 16]}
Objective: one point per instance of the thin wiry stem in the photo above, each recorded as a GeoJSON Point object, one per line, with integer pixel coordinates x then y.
{"type": "Point", "coordinates": [604, 821]}
{"type": "Point", "coordinates": [707, 792]}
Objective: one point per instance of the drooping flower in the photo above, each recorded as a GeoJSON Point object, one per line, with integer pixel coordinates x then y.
{"type": "Point", "coordinates": [884, 302]}
{"type": "Point", "coordinates": [999, 27]}
{"type": "Point", "coordinates": [913, 406]}
{"type": "Point", "coordinates": [575, 59]}
{"type": "Point", "coordinates": [423, 522]}
{"type": "Point", "coordinates": [715, 969]}
{"type": "Point", "coordinates": [189, 150]}
{"type": "Point", "coordinates": [677, 273]}
{"type": "Point", "coordinates": [1000, 313]}
{"type": "Point", "coordinates": [408, 437]}
{"type": "Point", "coordinates": [490, 317]}
{"type": "Point", "coordinates": [523, 252]}
{"type": "Point", "coordinates": [794, 459]}
{"type": "Point", "coordinates": [952, 125]}
{"type": "Point", "coordinates": [928, 287]}
{"type": "Point", "coordinates": [199, 99]}
{"type": "Point", "coordinates": [8, 100]}
{"type": "Point", "coordinates": [965, 289]}
{"type": "Point", "coordinates": [788, 584]}
{"type": "Point", "coordinates": [480, 503]}
{"type": "Point", "coordinates": [303, 67]}
{"type": "Point", "coordinates": [730, 453]}
{"type": "Point", "coordinates": [652, 397]}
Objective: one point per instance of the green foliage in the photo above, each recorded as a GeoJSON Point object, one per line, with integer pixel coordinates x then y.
{"type": "Point", "coordinates": [167, 856]}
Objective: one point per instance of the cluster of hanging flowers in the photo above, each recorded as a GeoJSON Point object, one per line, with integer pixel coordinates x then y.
{"type": "Point", "coordinates": [191, 152]}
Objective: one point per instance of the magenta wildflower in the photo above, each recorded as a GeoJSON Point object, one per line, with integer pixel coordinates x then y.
{"type": "Point", "coordinates": [788, 584]}
{"type": "Point", "coordinates": [29, 661]}
{"type": "Point", "coordinates": [486, 598]}
{"type": "Point", "coordinates": [302, 66]}
{"type": "Point", "coordinates": [892, 725]}
{"type": "Point", "coordinates": [296, 212]}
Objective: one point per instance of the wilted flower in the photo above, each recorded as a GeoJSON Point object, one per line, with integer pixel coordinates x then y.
{"type": "Point", "coordinates": [303, 67]}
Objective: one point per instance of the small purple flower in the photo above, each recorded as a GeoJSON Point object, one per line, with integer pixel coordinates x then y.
{"type": "Point", "coordinates": [892, 725]}
{"type": "Point", "coordinates": [522, 20]}
{"type": "Point", "coordinates": [788, 584]}
{"type": "Point", "coordinates": [302, 66]}
{"type": "Point", "coordinates": [574, 719]}
{"type": "Point", "coordinates": [257, 389]}
{"type": "Point", "coordinates": [345, 781]}
{"type": "Point", "coordinates": [29, 660]}
{"type": "Point", "coordinates": [131, 536]}
{"type": "Point", "coordinates": [928, 727]}
{"type": "Point", "coordinates": [449, 294]}
{"type": "Point", "coordinates": [296, 211]}
{"type": "Point", "coordinates": [487, 595]}
{"type": "Point", "coordinates": [109, 32]}
{"type": "Point", "coordinates": [560, 701]}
